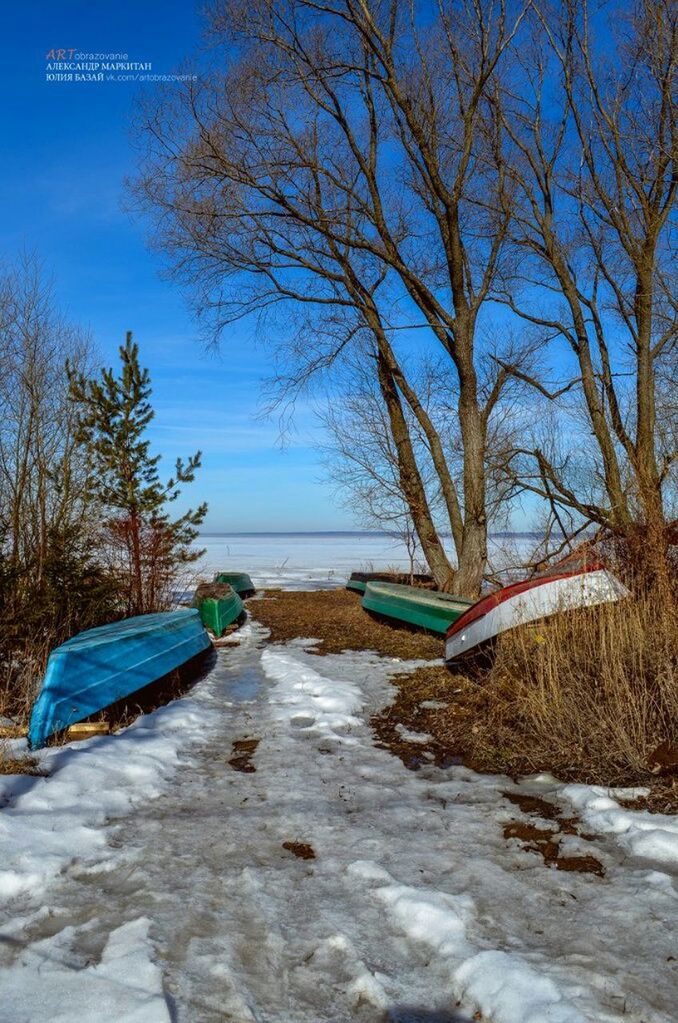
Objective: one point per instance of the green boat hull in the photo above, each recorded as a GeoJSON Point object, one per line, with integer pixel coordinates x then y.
{"type": "Point", "coordinates": [219, 606]}
{"type": "Point", "coordinates": [358, 580]}
{"type": "Point", "coordinates": [240, 581]}
{"type": "Point", "coordinates": [426, 609]}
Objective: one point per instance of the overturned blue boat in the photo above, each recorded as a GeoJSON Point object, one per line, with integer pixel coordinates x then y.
{"type": "Point", "coordinates": [95, 668]}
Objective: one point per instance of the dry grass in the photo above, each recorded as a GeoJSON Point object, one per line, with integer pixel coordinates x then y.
{"type": "Point", "coordinates": [337, 619]}
{"type": "Point", "coordinates": [20, 679]}
{"type": "Point", "coordinates": [12, 763]}
{"type": "Point", "coordinates": [460, 703]}
{"type": "Point", "coordinates": [593, 692]}
{"type": "Point", "coordinates": [590, 696]}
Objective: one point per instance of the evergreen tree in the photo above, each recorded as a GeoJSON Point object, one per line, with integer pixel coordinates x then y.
{"type": "Point", "coordinates": [113, 415]}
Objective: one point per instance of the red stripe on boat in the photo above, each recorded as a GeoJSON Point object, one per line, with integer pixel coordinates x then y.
{"type": "Point", "coordinates": [492, 600]}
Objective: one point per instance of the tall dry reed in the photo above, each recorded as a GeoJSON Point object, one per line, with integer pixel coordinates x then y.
{"type": "Point", "coordinates": [589, 693]}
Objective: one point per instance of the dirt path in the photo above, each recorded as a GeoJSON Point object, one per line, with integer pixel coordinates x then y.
{"type": "Point", "coordinates": [295, 872]}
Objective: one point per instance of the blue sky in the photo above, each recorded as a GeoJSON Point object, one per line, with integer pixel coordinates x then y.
{"type": "Point", "coordinates": [66, 151]}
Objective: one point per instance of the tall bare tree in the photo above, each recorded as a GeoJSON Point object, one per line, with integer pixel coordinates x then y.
{"type": "Point", "coordinates": [43, 481]}
{"type": "Point", "coordinates": [343, 163]}
{"type": "Point", "coordinates": [52, 583]}
{"type": "Point", "coordinates": [592, 120]}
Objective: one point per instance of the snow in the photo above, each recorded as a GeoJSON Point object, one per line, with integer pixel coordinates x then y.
{"type": "Point", "coordinates": [307, 700]}
{"type": "Point", "coordinates": [646, 836]}
{"type": "Point", "coordinates": [434, 918]}
{"type": "Point", "coordinates": [407, 735]}
{"type": "Point", "coordinates": [147, 879]}
{"type": "Point", "coordinates": [47, 822]}
{"type": "Point", "coordinates": [125, 980]}
{"type": "Point", "coordinates": [507, 990]}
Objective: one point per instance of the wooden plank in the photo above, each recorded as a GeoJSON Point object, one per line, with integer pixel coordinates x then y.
{"type": "Point", "coordinates": [13, 731]}
{"type": "Point", "coordinates": [85, 729]}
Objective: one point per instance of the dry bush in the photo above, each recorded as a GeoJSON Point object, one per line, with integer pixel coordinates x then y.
{"type": "Point", "coordinates": [20, 676]}
{"type": "Point", "coordinates": [591, 693]}
{"type": "Point", "coordinates": [17, 763]}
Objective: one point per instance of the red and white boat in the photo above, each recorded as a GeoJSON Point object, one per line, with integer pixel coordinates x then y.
{"type": "Point", "coordinates": [562, 588]}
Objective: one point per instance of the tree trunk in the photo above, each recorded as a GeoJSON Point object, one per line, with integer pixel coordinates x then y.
{"type": "Point", "coordinates": [473, 553]}
{"type": "Point", "coordinates": [447, 486]}
{"type": "Point", "coordinates": [412, 484]}
{"type": "Point", "coordinates": [137, 577]}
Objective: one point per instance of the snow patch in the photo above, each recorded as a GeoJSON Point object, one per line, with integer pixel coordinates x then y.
{"type": "Point", "coordinates": [647, 836]}
{"type": "Point", "coordinates": [126, 977]}
{"type": "Point", "coordinates": [432, 917]}
{"type": "Point", "coordinates": [307, 700]}
{"type": "Point", "coordinates": [507, 990]}
{"type": "Point", "coordinates": [367, 870]}
{"type": "Point", "coordinates": [50, 822]}
{"type": "Point", "coordinates": [407, 735]}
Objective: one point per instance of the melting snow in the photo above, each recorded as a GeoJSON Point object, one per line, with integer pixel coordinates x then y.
{"type": "Point", "coordinates": [146, 880]}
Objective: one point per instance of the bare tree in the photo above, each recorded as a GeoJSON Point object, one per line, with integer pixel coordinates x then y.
{"type": "Point", "coordinates": [595, 144]}
{"type": "Point", "coordinates": [52, 583]}
{"type": "Point", "coordinates": [343, 164]}
{"type": "Point", "coordinates": [43, 481]}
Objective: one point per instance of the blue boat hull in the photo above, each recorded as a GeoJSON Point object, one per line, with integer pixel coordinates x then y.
{"type": "Point", "coordinates": [98, 667]}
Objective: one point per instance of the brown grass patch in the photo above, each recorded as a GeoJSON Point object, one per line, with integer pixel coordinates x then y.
{"type": "Point", "coordinates": [22, 763]}
{"type": "Point", "coordinates": [547, 844]}
{"type": "Point", "coordinates": [337, 618]}
{"type": "Point", "coordinates": [448, 725]}
{"type": "Point", "coordinates": [301, 850]}
{"type": "Point", "coordinates": [243, 751]}
{"type": "Point", "coordinates": [210, 591]}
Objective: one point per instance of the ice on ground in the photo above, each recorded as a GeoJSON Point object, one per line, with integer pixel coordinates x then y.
{"type": "Point", "coordinates": [647, 836]}
{"type": "Point", "coordinates": [407, 735]}
{"type": "Point", "coordinates": [150, 879]}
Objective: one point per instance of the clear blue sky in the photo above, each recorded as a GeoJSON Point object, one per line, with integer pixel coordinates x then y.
{"type": "Point", "coordinates": [66, 150]}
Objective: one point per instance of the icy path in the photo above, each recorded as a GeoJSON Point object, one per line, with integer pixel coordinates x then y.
{"type": "Point", "coordinates": [168, 894]}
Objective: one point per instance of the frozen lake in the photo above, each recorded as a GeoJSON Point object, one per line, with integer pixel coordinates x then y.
{"type": "Point", "coordinates": [317, 560]}
{"type": "Point", "coordinates": [300, 560]}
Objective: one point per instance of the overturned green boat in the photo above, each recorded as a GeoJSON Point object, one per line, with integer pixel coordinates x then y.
{"type": "Point", "coordinates": [219, 606]}
{"type": "Point", "coordinates": [358, 580]}
{"type": "Point", "coordinates": [240, 581]}
{"type": "Point", "coordinates": [427, 609]}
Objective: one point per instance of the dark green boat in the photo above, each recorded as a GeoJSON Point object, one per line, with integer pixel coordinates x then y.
{"type": "Point", "coordinates": [358, 580]}
{"type": "Point", "coordinates": [428, 609]}
{"type": "Point", "coordinates": [219, 606]}
{"type": "Point", "coordinates": [240, 581]}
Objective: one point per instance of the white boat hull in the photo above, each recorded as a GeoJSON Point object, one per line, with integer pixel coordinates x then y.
{"type": "Point", "coordinates": [545, 598]}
